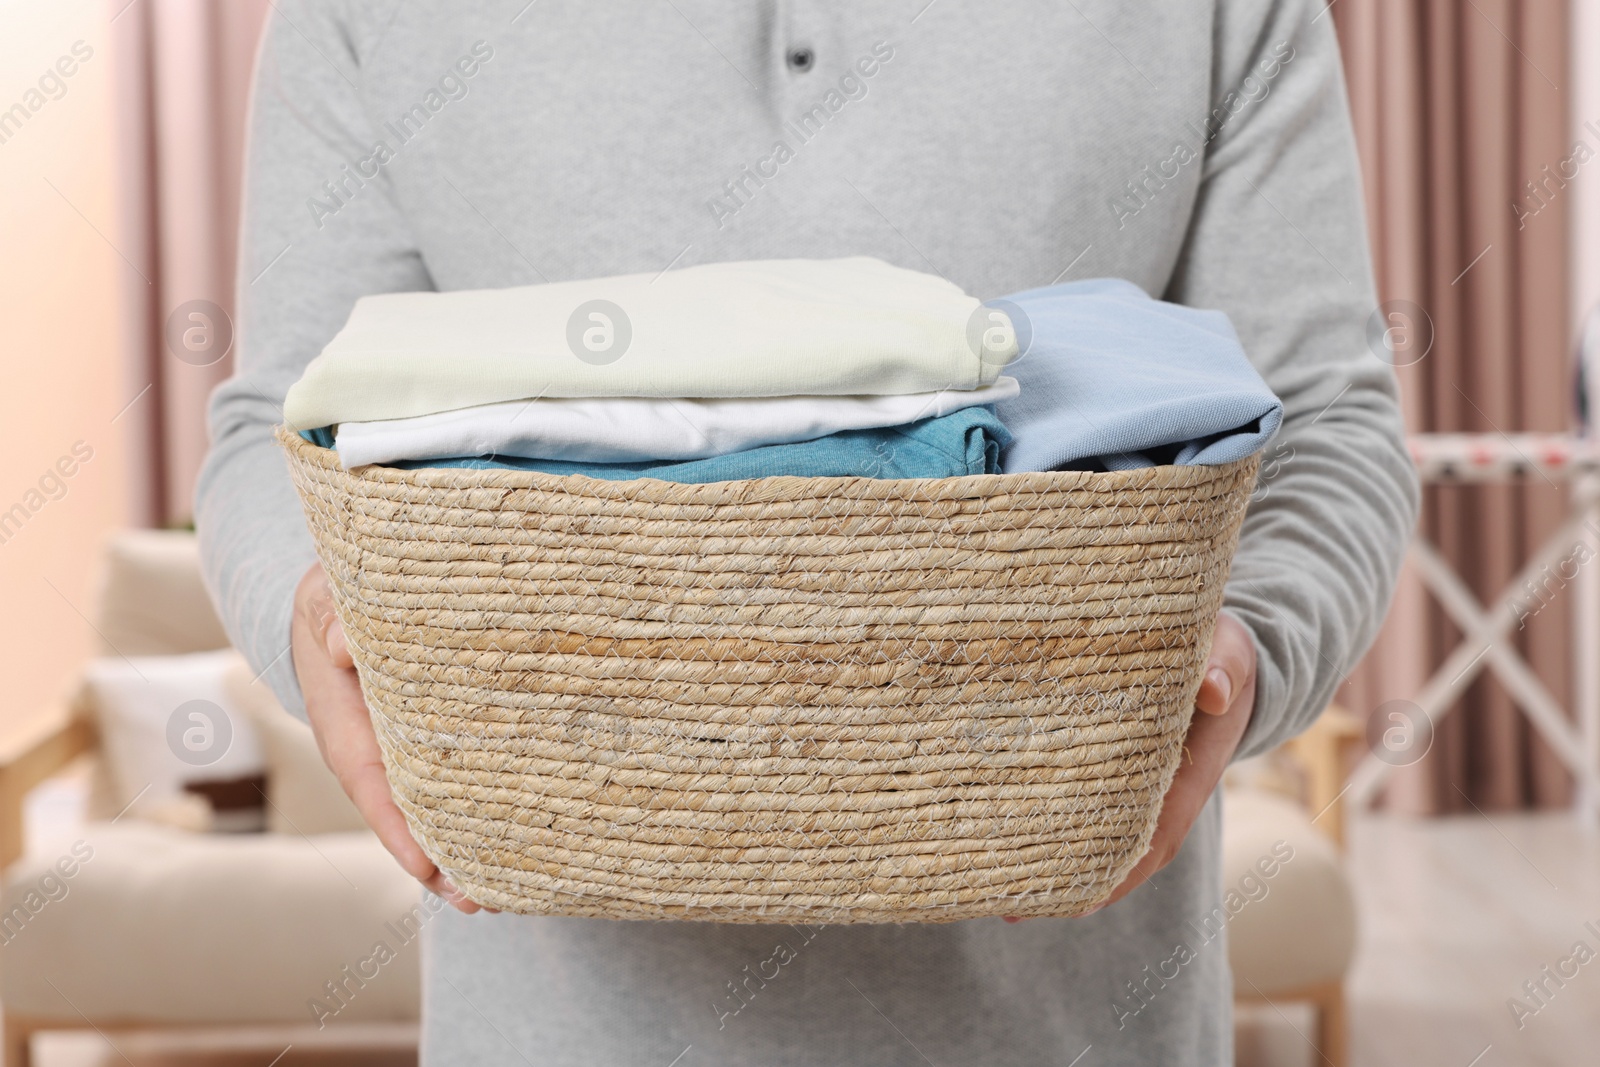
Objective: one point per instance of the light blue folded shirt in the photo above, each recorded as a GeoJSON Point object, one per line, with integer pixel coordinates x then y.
{"type": "Point", "coordinates": [1112, 379]}
{"type": "Point", "coordinates": [967, 441]}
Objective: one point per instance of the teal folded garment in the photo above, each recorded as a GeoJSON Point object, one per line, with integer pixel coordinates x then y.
{"type": "Point", "coordinates": [963, 442]}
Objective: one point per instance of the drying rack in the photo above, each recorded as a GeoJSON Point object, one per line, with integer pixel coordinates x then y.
{"type": "Point", "coordinates": [1565, 568]}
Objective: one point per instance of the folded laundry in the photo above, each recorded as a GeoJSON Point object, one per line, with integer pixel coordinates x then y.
{"type": "Point", "coordinates": [1112, 379]}
{"type": "Point", "coordinates": [640, 429]}
{"type": "Point", "coordinates": [967, 441]}
{"type": "Point", "coordinates": [852, 326]}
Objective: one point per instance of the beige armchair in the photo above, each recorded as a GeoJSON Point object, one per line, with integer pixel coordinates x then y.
{"type": "Point", "coordinates": [158, 926]}
{"type": "Point", "coordinates": [1294, 942]}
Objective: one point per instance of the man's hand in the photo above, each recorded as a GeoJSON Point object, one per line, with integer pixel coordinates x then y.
{"type": "Point", "coordinates": [344, 731]}
{"type": "Point", "coordinates": [1226, 699]}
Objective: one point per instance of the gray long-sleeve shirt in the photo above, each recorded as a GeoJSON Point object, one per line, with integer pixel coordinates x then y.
{"type": "Point", "coordinates": [1201, 149]}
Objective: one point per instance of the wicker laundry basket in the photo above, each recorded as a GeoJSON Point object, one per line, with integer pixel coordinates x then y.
{"type": "Point", "coordinates": [828, 700]}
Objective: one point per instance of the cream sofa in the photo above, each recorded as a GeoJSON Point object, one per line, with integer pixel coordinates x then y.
{"type": "Point", "coordinates": [170, 927]}
{"type": "Point", "coordinates": [157, 925]}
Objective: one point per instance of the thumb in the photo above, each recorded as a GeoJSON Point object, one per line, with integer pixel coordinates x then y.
{"type": "Point", "coordinates": [324, 619]}
{"type": "Point", "coordinates": [338, 648]}
{"type": "Point", "coordinates": [1228, 668]}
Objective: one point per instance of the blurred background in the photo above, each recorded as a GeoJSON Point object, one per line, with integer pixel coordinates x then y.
{"type": "Point", "coordinates": [1443, 902]}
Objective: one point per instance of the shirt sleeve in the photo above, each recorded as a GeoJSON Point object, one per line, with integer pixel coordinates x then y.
{"type": "Point", "coordinates": [319, 228]}
{"type": "Point", "coordinates": [1278, 240]}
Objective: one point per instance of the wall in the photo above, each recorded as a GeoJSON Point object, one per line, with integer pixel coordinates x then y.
{"type": "Point", "coordinates": [62, 460]}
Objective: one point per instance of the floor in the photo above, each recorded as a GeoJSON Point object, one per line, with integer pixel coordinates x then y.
{"type": "Point", "coordinates": [1457, 914]}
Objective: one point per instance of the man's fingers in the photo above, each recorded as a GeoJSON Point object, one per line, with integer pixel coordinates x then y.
{"type": "Point", "coordinates": [1178, 813]}
{"type": "Point", "coordinates": [1230, 665]}
{"type": "Point", "coordinates": [362, 776]}
{"type": "Point", "coordinates": [1227, 697]}
{"type": "Point", "coordinates": [343, 729]}
{"type": "Point", "coordinates": [440, 887]}
{"type": "Point", "coordinates": [1206, 751]}
{"type": "Point", "coordinates": [368, 789]}
{"type": "Point", "coordinates": [351, 749]}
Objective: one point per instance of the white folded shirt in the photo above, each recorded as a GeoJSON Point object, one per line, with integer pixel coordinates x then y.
{"type": "Point", "coordinates": [635, 429]}
{"type": "Point", "coordinates": [837, 327]}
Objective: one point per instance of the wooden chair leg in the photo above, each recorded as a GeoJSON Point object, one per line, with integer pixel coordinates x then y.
{"type": "Point", "coordinates": [17, 1042]}
{"type": "Point", "coordinates": [1333, 1038]}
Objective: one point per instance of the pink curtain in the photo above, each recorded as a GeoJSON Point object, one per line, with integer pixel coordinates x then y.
{"type": "Point", "coordinates": [182, 70]}
{"type": "Point", "coordinates": [1457, 107]}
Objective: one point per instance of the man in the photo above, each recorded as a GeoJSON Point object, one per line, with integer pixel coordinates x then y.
{"type": "Point", "coordinates": [1202, 150]}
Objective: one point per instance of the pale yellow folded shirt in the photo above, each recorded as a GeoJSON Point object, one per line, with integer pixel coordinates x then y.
{"type": "Point", "coordinates": [854, 326]}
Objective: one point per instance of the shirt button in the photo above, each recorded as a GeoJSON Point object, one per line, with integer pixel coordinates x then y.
{"type": "Point", "coordinates": [801, 59]}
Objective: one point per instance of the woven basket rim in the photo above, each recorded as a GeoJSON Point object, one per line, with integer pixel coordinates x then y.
{"type": "Point", "coordinates": [770, 488]}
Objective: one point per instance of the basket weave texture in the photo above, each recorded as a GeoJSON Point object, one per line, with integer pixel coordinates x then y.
{"type": "Point", "coordinates": [826, 700]}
